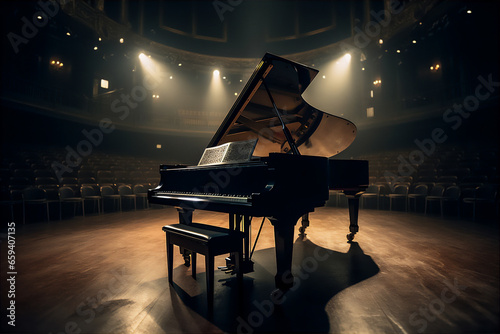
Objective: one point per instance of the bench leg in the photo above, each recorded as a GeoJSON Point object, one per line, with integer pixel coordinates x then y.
{"type": "Point", "coordinates": [209, 264]}
{"type": "Point", "coordinates": [170, 259]}
{"type": "Point", "coordinates": [193, 264]}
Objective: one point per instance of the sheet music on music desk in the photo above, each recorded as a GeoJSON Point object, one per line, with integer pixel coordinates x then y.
{"type": "Point", "coordinates": [232, 152]}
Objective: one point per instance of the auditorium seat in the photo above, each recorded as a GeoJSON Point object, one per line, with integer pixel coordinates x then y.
{"type": "Point", "coordinates": [67, 195]}
{"type": "Point", "coordinates": [142, 193]}
{"type": "Point", "coordinates": [418, 197]}
{"type": "Point", "coordinates": [43, 173]}
{"type": "Point", "coordinates": [484, 201]}
{"type": "Point", "coordinates": [126, 193]}
{"type": "Point", "coordinates": [33, 196]}
{"type": "Point", "coordinates": [435, 195]}
{"type": "Point", "coordinates": [372, 192]}
{"type": "Point", "coordinates": [105, 177]}
{"type": "Point", "coordinates": [451, 197]}
{"type": "Point", "coordinates": [400, 194]}
{"type": "Point", "coordinates": [89, 193]}
{"type": "Point", "coordinates": [109, 194]}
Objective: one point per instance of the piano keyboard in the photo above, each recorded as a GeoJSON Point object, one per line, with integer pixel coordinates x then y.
{"type": "Point", "coordinates": [216, 197]}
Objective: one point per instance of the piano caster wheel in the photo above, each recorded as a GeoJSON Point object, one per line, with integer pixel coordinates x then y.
{"type": "Point", "coordinates": [350, 236]}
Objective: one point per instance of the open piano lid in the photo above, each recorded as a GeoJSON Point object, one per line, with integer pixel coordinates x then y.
{"type": "Point", "coordinates": [252, 115]}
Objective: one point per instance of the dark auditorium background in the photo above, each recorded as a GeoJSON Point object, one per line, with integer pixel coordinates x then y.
{"type": "Point", "coordinates": [104, 91]}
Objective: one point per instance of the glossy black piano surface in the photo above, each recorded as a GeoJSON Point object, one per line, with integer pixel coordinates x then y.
{"type": "Point", "coordinates": [256, 188]}
{"type": "Point", "coordinates": [275, 184]}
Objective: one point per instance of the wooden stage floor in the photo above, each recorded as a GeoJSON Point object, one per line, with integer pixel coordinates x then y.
{"type": "Point", "coordinates": [405, 273]}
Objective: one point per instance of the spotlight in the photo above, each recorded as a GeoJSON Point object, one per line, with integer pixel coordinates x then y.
{"type": "Point", "coordinates": [216, 73]}
{"type": "Point", "coordinates": [381, 41]}
{"type": "Point", "coordinates": [121, 40]}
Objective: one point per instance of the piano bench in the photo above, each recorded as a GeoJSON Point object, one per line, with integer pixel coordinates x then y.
{"type": "Point", "coordinates": [209, 241]}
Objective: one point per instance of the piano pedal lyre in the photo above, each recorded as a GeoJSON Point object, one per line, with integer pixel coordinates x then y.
{"type": "Point", "coordinates": [228, 269]}
{"type": "Point", "coordinates": [186, 255]}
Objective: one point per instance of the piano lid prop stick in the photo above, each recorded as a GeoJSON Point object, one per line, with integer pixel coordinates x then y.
{"type": "Point", "coordinates": [288, 135]}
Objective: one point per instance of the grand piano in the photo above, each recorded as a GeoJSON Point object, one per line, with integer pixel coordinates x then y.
{"type": "Point", "coordinates": [269, 158]}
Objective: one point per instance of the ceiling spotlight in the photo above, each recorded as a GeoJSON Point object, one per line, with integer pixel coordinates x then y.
{"type": "Point", "coordinates": [216, 73]}
{"type": "Point", "coordinates": [381, 41]}
{"type": "Point", "coordinates": [121, 40]}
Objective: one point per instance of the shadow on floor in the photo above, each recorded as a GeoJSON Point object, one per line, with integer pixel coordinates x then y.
{"type": "Point", "coordinates": [319, 273]}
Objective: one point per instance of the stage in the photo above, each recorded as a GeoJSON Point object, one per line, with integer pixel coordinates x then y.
{"type": "Point", "coordinates": [404, 273]}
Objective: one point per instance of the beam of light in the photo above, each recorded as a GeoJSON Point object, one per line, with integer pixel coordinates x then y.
{"type": "Point", "coordinates": [150, 66]}
{"type": "Point", "coordinates": [344, 61]}
{"type": "Point", "coordinates": [334, 93]}
{"type": "Point", "coordinates": [217, 99]}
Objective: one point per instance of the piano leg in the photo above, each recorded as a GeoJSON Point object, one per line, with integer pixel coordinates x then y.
{"type": "Point", "coordinates": [283, 238]}
{"type": "Point", "coordinates": [186, 218]}
{"type": "Point", "coordinates": [353, 201]}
